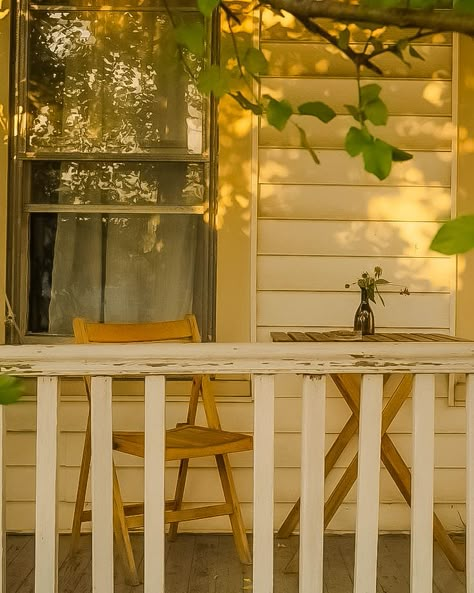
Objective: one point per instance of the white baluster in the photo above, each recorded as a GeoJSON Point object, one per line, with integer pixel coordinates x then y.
{"type": "Point", "coordinates": [101, 485]}
{"type": "Point", "coordinates": [312, 484]}
{"type": "Point", "coordinates": [368, 484]}
{"type": "Point", "coordinates": [470, 484]}
{"type": "Point", "coordinates": [154, 537]}
{"type": "Point", "coordinates": [2, 503]}
{"type": "Point", "coordinates": [46, 538]}
{"type": "Point", "coordinates": [264, 418]}
{"type": "Point", "coordinates": [421, 563]}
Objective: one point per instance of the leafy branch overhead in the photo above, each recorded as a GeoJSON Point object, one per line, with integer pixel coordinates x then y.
{"type": "Point", "coordinates": [239, 75]}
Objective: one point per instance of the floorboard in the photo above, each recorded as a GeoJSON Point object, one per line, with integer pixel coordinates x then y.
{"type": "Point", "coordinates": [209, 564]}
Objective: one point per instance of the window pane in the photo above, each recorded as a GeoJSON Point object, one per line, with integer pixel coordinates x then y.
{"type": "Point", "coordinates": [146, 184]}
{"type": "Point", "coordinates": [110, 81]}
{"type": "Point", "coordinates": [112, 268]}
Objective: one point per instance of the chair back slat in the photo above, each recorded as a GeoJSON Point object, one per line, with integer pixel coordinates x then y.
{"type": "Point", "coordinates": [181, 330]}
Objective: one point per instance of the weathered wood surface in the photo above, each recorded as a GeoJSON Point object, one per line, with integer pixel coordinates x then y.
{"type": "Point", "coordinates": [209, 564]}
{"type": "Point", "coordinates": [263, 358]}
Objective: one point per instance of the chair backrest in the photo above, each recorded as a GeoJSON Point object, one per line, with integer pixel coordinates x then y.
{"type": "Point", "coordinates": [180, 330]}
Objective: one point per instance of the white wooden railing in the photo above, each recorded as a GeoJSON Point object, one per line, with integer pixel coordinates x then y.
{"type": "Point", "coordinates": [263, 361]}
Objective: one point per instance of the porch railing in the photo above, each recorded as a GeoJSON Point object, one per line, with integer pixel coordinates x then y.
{"type": "Point", "coordinates": [263, 361]}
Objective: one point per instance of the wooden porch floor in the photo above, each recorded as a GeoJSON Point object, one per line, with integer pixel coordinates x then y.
{"type": "Point", "coordinates": [208, 564]}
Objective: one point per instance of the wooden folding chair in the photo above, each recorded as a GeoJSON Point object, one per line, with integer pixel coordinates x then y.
{"type": "Point", "coordinates": [184, 442]}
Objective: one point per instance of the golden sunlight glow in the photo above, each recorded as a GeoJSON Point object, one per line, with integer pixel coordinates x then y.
{"type": "Point", "coordinates": [433, 93]}
{"type": "Point", "coordinates": [271, 19]}
{"type": "Point", "coordinates": [413, 203]}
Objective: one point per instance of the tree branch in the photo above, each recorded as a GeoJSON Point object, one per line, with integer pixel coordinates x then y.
{"type": "Point", "coordinates": [436, 20]}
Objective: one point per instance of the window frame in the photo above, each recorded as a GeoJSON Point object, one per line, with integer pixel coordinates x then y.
{"type": "Point", "coordinates": [21, 208]}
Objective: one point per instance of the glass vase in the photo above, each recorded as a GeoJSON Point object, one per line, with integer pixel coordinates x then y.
{"type": "Point", "coordinates": [364, 317]}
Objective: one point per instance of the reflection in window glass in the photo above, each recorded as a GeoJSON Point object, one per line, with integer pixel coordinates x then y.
{"type": "Point", "coordinates": [110, 81]}
{"type": "Point", "coordinates": [132, 183]}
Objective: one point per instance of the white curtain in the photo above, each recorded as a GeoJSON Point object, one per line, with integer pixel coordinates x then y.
{"type": "Point", "coordinates": [136, 268]}
{"type": "Point", "coordinates": [123, 96]}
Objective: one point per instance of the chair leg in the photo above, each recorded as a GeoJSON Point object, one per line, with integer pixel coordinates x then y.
{"type": "Point", "coordinates": [81, 489]}
{"type": "Point", "coordinates": [122, 536]}
{"type": "Point", "coordinates": [178, 496]}
{"type": "Point", "coordinates": [236, 520]}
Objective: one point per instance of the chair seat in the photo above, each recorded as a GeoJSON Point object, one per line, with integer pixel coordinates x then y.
{"type": "Point", "coordinates": [186, 442]}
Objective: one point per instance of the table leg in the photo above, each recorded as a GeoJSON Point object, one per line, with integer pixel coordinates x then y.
{"type": "Point", "coordinates": [349, 387]}
{"type": "Point", "coordinates": [401, 475]}
{"type": "Point", "coordinates": [349, 430]}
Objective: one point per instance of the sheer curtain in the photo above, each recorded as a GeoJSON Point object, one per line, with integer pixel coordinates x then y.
{"type": "Point", "coordinates": [124, 266]}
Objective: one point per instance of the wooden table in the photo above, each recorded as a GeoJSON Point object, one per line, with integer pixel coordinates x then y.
{"type": "Point", "coordinates": [397, 388]}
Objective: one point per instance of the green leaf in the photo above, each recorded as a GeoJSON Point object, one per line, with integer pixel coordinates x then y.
{"type": "Point", "coordinates": [206, 7]}
{"type": "Point", "coordinates": [382, 3]}
{"type": "Point", "coordinates": [344, 38]}
{"type": "Point", "coordinates": [402, 44]}
{"type": "Point", "coordinates": [377, 45]}
{"type": "Point", "coordinates": [414, 53]}
{"type": "Point", "coordinates": [11, 389]}
{"type": "Point", "coordinates": [356, 140]}
{"type": "Point", "coordinates": [369, 93]}
{"type": "Point", "coordinates": [191, 36]}
{"type": "Point", "coordinates": [305, 144]}
{"type": "Point", "coordinates": [354, 111]}
{"type": "Point", "coordinates": [254, 61]}
{"type": "Point", "coordinates": [399, 155]}
{"type": "Point", "coordinates": [214, 80]}
{"type": "Point", "coordinates": [396, 51]}
{"type": "Point", "coordinates": [317, 109]}
{"type": "Point", "coordinates": [455, 236]}
{"type": "Point", "coordinates": [255, 108]}
{"type": "Point", "coordinates": [463, 5]}
{"type": "Point", "coordinates": [278, 113]}
{"type": "Point", "coordinates": [378, 158]}
{"type": "Point", "coordinates": [423, 4]}
{"type": "Point", "coordinates": [376, 112]}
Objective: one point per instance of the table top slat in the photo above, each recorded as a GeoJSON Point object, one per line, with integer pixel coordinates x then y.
{"type": "Point", "coordinates": [280, 337]}
{"type": "Point", "coordinates": [311, 336]}
{"type": "Point", "coordinates": [320, 337]}
{"type": "Point", "coordinates": [299, 337]}
{"type": "Point", "coordinates": [379, 338]}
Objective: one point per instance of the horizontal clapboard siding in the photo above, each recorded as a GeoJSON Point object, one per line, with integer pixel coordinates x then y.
{"type": "Point", "coordinates": [351, 238]}
{"type": "Point", "coordinates": [204, 484]}
{"type": "Point", "coordinates": [393, 517]}
{"type": "Point", "coordinates": [357, 203]}
{"type": "Point", "coordinates": [284, 27]}
{"type": "Point", "coordinates": [403, 97]}
{"type": "Point", "coordinates": [407, 132]}
{"type": "Point", "coordinates": [336, 309]}
{"type": "Point", "coordinates": [308, 272]}
{"type": "Point", "coordinates": [322, 60]}
{"type": "Point", "coordinates": [294, 165]}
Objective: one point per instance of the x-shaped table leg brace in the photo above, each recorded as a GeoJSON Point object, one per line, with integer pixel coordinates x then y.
{"type": "Point", "coordinates": [349, 386]}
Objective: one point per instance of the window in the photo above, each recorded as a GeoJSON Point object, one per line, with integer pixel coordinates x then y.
{"type": "Point", "coordinates": [112, 192]}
